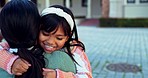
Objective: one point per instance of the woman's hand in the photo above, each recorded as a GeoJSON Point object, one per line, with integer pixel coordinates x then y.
{"type": "Point", "coordinates": [19, 66]}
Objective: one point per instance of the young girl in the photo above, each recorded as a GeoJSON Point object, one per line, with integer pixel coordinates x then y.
{"type": "Point", "coordinates": [19, 23]}
{"type": "Point", "coordinates": [58, 32]}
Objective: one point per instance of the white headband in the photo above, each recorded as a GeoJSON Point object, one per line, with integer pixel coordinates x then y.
{"type": "Point", "coordinates": [60, 13]}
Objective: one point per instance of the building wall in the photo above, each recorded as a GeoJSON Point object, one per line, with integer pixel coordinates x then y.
{"type": "Point", "coordinates": [41, 5]}
{"type": "Point", "coordinates": [77, 8]}
{"type": "Point", "coordinates": [116, 8]}
{"type": "Point", "coordinates": [96, 9]}
{"type": "Point", "coordinates": [136, 10]}
{"type": "Point", "coordinates": [81, 11]}
{"type": "Point", "coordinates": [55, 2]}
{"type": "Point", "coordinates": [122, 9]}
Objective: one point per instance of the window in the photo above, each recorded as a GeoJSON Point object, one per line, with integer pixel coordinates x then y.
{"type": "Point", "coordinates": [84, 3]}
{"type": "Point", "coordinates": [65, 3]}
{"type": "Point", "coordinates": [130, 1]}
{"type": "Point", "coordinates": [143, 1]}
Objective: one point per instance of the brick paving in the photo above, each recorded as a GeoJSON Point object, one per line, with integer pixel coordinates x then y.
{"type": "Point", "coordinates": [115, 45]}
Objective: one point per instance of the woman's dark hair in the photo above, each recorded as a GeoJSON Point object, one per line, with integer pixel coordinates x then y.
{"type": "Point", "coordinates": [19, 23]}
{"type": "Point", "coordinates": [51, 22]}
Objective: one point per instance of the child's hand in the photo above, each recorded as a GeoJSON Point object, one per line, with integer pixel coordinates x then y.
{"type": "Point", "coordinates": [20, 66]}
{"type": "Point", "coordinates": [49, 73]}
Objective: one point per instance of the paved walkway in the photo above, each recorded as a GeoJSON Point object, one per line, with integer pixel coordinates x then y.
{"type": "Point", "coordinates": [116, 45]}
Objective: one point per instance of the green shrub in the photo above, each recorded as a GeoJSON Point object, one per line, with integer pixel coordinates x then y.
{"type": "Point", "coordinates": [123, 22]}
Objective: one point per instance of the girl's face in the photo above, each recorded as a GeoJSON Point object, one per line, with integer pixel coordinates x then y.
{"type": "Point", "coordinates": [52, 41]}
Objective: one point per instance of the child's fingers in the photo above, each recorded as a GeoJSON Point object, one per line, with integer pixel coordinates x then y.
{"type": "Point", "coordinates": [18, 70]}
{"type": "Point", "coordinates": [49, 73]}
{"type": "Point", "coordinates": [45, 69]}
{"type": "Point", "coordinates": [27, 63]}
{"type": "Point", "coordinates": [20, 66]}
{"type": "Point", "coordinates": [45, 74]}
{"type": "Point", "coordinates": [18, 74]}
{"type": "Point", "coordinates": [25, 66]}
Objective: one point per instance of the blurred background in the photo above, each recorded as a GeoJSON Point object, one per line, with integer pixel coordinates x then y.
{"type": "Point", "coordinates": [98, 9]}
{"type": "Point", "coordinates": [115, 34]}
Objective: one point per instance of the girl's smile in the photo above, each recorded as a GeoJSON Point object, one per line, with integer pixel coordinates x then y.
{"type": "Point", "coordinates": [48, 48]}
{"type": "Point", "coordinates": [52, 41]}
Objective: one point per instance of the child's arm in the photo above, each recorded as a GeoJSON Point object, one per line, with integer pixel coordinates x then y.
{"type": "Point", "coordinates": [10, 62]}
{"type": "Point", "coordinates": [84, 67]}
{"type": "Point", "coordinates": [6, 58]}
{"type": "Point", "coordinates": [50, 73]}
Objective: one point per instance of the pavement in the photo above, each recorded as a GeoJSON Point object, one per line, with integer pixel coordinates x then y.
{"type": "Point", "coordinates": [106, 46]}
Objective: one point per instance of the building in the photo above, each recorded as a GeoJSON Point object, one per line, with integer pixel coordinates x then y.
{"type": "Point", "coordinates": [94, 8]}
{"type": "Point", "coordinates": [99, 8]}
{"type": "Point", "coordinates": [129, 8]}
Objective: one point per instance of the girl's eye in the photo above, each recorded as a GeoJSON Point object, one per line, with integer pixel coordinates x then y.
{"type": "Point", "coordinates": [45, 33]}
{"type": "Point", "coordinates": [59, 38]}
